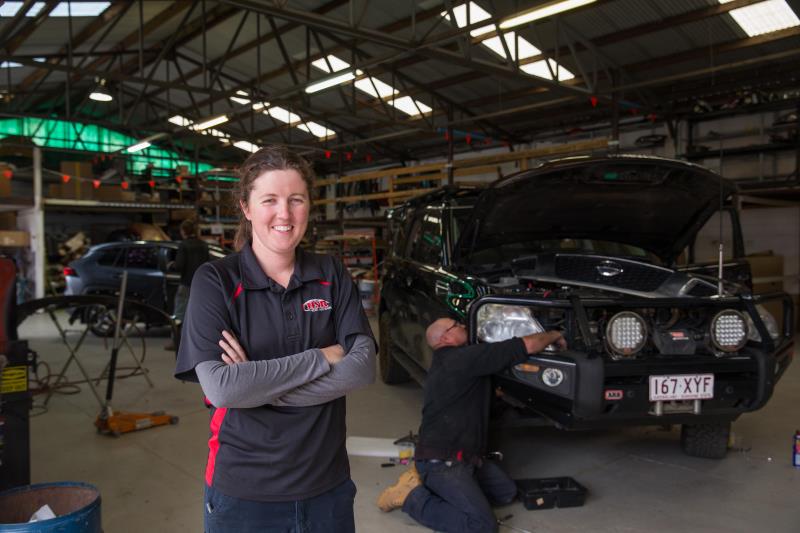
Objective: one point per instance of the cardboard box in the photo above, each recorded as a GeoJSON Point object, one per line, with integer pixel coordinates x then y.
{"type": "Point", "coordinates": [82, 169]}
{"type": "Point", "coordinates": [181, 214]}
{"type": "Point", "coordinates": [15, 238]}
{"type": "Point", "coordinates": [76, 189]}
{"type": "Point", "coordinates": [765, 265]}
{"type": "Point", "coordinates": [767, 271]}
{"type": "Point", "coordinates": [8, 220]}
{"type": "Point", "coordinates": [114, 194]}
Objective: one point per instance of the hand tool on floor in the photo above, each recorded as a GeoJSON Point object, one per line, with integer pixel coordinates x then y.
{"type": "Point", "coordinates": [116, 424]}
{"type": "Point", "coordinates": [502, 522]}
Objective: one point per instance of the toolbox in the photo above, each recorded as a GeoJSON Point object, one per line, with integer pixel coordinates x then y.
{"type": "Point", "coordinates": [546, 493]}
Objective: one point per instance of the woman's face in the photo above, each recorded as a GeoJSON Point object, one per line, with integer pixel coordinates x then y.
{"type": "Point", "coordinates": [278, 208]}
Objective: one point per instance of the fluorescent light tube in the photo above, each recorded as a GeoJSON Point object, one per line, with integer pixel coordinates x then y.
{"type": "Point", "coordinates": [544, 11]}
{"type": "Point", "coordinates": [138, 147]}
{"type": "Point", "coordinates": [330, 82]}
{"type": "Point", "coordinates": [210, 123]}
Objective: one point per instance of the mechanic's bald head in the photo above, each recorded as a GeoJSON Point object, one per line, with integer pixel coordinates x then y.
{"type": "Point", "coordinates": [446, 332]}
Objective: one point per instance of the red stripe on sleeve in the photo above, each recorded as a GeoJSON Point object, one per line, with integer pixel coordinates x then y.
{"type": "Point", "coordinates": [213, 443]}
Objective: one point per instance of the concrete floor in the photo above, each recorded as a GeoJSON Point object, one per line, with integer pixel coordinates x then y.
{"type": "Point", "coordinates": [639, 481]}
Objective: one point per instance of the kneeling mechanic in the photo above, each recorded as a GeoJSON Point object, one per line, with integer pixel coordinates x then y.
{"type": "Point", "coordinates": [451, 488]}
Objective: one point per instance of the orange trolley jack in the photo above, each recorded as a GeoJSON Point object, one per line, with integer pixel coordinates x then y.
{"type": "Point", "coordinates": [108, 422]}
{"type": "Point", "coordinates": [116, 424]}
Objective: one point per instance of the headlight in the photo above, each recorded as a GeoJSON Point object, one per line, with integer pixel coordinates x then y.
{"type": "Point", "coordinates": [768, 320]}
{"type": "Point", "coordinates": [729, 330]}
{"type": "Point", "coordinates": [626, 334]}
{"type": "Point", "coordinates": [498, 322]}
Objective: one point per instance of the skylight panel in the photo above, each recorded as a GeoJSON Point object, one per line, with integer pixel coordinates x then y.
{"type": "Point", "coordinates": [10, 64]}
{"type": "Point", "coordinates": [539, 68]}
{"type": "Point", "coordinates": [283, 115]}
{"type": "Point", "coordinates": [77, 9]}
{"type": "Point", "coordinates": [178, 120]}
{"type": "Point", "coordinates": [764, 17]}
{"type": "Point", "coordinates": [372, 86]}
{"type": "Point", "coordinates": [247, 146]}
{"type": "Point", "coordinates": [384, 90]}
{"type": "Point", "coordinates": [216, 133]}
{"type": "Point", "coordinates": [317, 130]}
{"type": "Point", "coordinates": [406, 104]}
{"type": "Point", "coordinates": [518, 47]}
{"type": "Point", "coordinates": [476, 14]}
{"type": "Point", "coordinates": [526, 49]}
{"type": "Point", "coordinates": [241, 98]}
{"type": "Point", "coordinates": [9, 9]}
{"type": "Point", "coordinates": [336, 63]}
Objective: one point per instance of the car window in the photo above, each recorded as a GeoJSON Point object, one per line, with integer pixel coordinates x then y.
{"type": "Point", "coordinates": [142, 257]}
{"type": "Point", "coordinates": [108, 256]}
{"type": "Point", "coordinates": [460, 218]}
{"type": "Point", "coordinates": [400, 232]}
{"type": "Point", "coordinates": [426, 239]}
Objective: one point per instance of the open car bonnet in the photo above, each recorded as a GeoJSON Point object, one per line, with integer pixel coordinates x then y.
{"type": "Point", "coordinates": [653, 203]}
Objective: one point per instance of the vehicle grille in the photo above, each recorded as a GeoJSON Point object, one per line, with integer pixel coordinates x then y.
{"type": "Point", "coordinates": [634, 276]}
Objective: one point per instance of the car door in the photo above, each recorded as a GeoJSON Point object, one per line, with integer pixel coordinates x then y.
{"type": "Point", "coordinates": [171, 279]}
{"type": "Point", "coordinates": [427, 285]}
{"type": "Point", "coordinates": [393, 281]}
{"type": "Point", "coordinates": [145, 279]}
{"type": "Point", "coordinates": [103, 272]}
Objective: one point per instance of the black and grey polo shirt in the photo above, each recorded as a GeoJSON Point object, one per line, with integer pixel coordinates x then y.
{"type": "Point", "coordinates": [271, 453]}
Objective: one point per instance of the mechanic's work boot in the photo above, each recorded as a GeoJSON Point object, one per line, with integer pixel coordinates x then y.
{"type": "Point", "coordinates": [394, 497]}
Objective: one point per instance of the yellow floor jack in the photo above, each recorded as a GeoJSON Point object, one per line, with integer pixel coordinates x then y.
{"type": "Point", "coordinates": [116, 423]}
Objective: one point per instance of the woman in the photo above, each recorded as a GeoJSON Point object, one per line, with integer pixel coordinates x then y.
{"type": "Point", "coordinates": [276, 336]}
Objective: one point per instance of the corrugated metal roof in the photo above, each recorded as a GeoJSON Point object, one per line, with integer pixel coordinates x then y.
{"type": "Point", "coordinates": [647, 56]}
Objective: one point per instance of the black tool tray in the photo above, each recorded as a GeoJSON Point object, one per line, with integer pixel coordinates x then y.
{"type": "Point", "coordinates": [546, 493]}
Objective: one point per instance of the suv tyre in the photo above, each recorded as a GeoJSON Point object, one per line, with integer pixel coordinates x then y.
{"type": "Point", "coordinates": [391, 370]}
{"type": "Point", "coordinates": [709, 441]}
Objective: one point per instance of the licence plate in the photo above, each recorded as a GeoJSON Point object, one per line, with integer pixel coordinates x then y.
{"type": "Point", "coordinates": [682, 387]}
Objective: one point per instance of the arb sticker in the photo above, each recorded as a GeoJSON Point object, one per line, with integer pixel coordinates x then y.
{"type": "Point", "coordinates": [316, 305]}
{"type": "Point", "coordinates": [614, 394]}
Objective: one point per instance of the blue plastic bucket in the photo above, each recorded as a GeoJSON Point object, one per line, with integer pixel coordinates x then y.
{"type": "Point", "coordinates": [76, 505]}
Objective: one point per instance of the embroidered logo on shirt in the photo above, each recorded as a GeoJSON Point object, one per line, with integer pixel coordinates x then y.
{"type": "Point", "coordinates": [316, 305]}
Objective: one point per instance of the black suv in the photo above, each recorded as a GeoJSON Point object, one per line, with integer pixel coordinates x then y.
{"type": "Point", "coordinates": [603, 250]}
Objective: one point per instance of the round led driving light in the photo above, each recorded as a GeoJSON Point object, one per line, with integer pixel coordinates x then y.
{"type": "Point", "coordinates": [729, 330]}
{"type": "Point", "coordinates": [626, 334]}
{"type": "Point", "coordinates": [552, 377]}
